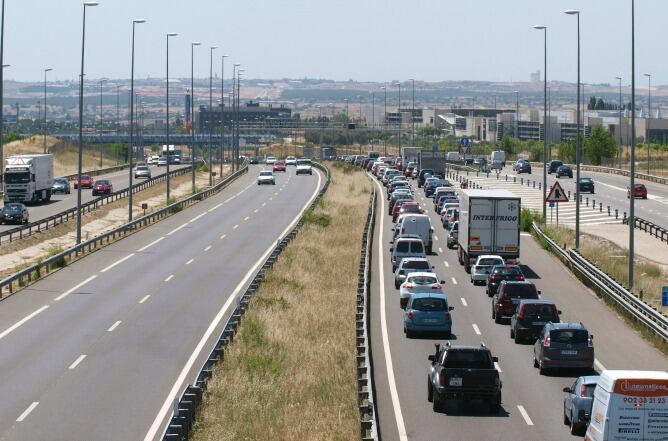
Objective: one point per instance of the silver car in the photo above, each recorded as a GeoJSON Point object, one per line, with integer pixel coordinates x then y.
{"type": "Point", "coordinates": [142, 171]}
{"type": "Point", "coordinates": [578, 402]}
{"type": "Point", "coordinates": [266, 177]}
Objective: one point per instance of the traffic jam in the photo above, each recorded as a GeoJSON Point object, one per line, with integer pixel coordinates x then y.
{"type": "Point", "coordinates": [482, 228]}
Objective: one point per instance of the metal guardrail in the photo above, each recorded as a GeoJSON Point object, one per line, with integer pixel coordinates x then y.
{"type": "Point", "coordinates": [610, 288]}
{"type": "Point", "coordinates": [184, 410]}
{"type": "Point", "coordinates": [38, 226]}
{"type": "Point", "coordinates": [648, 227]}
{"type": "Point", "coordinates": [32, 273]}
{"type": "Point", "coordinates": [101, 171]}
{"type": "Point", "coordinates": [615, 171]}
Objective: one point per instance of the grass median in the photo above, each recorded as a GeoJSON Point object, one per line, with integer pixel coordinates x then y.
{"type": "Point", "coordinates": [291, 372]}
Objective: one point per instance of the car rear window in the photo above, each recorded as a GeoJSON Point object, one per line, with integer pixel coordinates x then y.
{"type": "Point", "coordinates": [473, 359]}
{"type": "Point", "coordinates": [523, 291]}
{"type": "Point", "coordinates": [512, 271]}
{"type": "Point", "coordinates": [416, 247]}
{"type": "Point", "coordinates": [423, 280]}
{"type": "Point", "coordinates": [490, 262]}
{"type": "Point", "coordinates": [540, 309]}
{"type": "Point", "coordinates": [573, 336]}
{"type": "Point", "coordinates": [429, 304]}
{"type": "Point", "coordinates": [417, 264]}
{"type": "Point", "coordinates": [589, 390]}
{"type": "Point", "coordinates": [402, 247]}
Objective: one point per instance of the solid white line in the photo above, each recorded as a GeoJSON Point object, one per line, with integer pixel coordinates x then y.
{"type": "Point", "coordinates": [440, 250]}
{"type": "Point", "coordinates": [464, 302]}
{"type": "Point", "coordinates": [169, 278]}
{"type": "Point", "coordinates": [276, 194]}
{"type": "Point", "coordinates": [145, 298]}
{"type": "Point", "coordinates": [497, 367]}
{"type": "Point", "coordinates": [190, 261]}
{"type": "Point", "coordinates": [77, 361]}
{"type": "Point", "coordinates": [177, 229]}
{"type": "Point", "coordinates": [196, 217]}
{"type": "Point", "coordinates": [446, 264]}
{"type": "Point", "coordinates": [525, 234]}
{"type": "Point", "coordinates": [454, 281]}
{"type": "Point", "coordinates": [525, 415]}
{"type": "Point", "coordinates": [150, 245]}
{"type": "Point", "coordinates": [26, 412]}
{"type": "Point", "coordinates": [21, 322]}
{"type": "Point", "coordinates": [114, 326]}
{"type": "Point", "coordinates": [394, 395]}
{"type": "Point", "coordinates": [207, 248]}
{"type": "Point", "coordinates": [215, 207]}
{"type": "Point", "coordinates": [235, 227]}
{"type": "Point", "coordinates": [169, 401]}
{"type": "Point", "coordinates": [71, 290]}
{"type": "Point", "coordinates": [223, 236]}
{"type": "Point", "coordinates": [117, 262]}
{"type": "Point", "coordinates": [246, 218]}
{"type": "Point", "coordinates": [598, 365]}
{"type": "Point", "coordinates": [476, 329]}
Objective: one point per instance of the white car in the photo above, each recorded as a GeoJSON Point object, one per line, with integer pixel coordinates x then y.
{"type": "Point", "coordinates": [149, 160]}
{"type": "Point", "coordinates": [266, 177]}
{"type": "Point", "coordinates": [290, 160]}
{"type": "Point", "coordinates": [483, 266]}
{"type": "Point", "coordinates": [270, 160]}
{"type": "Point", "coordinates": [419, 282]}
{"type": "Point", "coordinates": [304, 167]}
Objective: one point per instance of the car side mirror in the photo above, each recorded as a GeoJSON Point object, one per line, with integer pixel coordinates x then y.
{"type": "Point", "coordinates": [402, 272]}
{"type": "Point", "coordinates": [540, 292]}
{"type": "Point", "coordinates": [391, 249]}
{"type": "Point", "coordinates": [442, 282]}
{"type": "Point", "coordinates": [495, 359]}
{"type": "Point", "coordinates": [431, 358]}
{"type": "Point", "coordinates": [591, 336]}
{"type": "Point", "coordinates": [432, 267]}
{"type": "Point", "coordinates": [567, 389]}
{"type": "Point", "coordinates": [451, 308]}
{"type": "Point", "coordinates": [559, 311]}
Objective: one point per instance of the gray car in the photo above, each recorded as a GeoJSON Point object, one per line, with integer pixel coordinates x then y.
{"type": "Point", "coordinates": [564, 346]}
{"type": "Point", "coordinates": [142, 171]}
{"type": "Point", "coordinates": [409, 265]}
{"type": "Point", "coordinates": [578, 402]}
{"type": "Point", "coordinates": [60, 185]}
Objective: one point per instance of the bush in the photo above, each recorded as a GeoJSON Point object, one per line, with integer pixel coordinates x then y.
{"type": "Point", "coordinates": [527, 217]}
{"type": "Point", "coordinates": [320, 219]}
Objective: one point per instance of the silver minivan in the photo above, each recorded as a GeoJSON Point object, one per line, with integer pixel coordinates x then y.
{"type": "Point", "coordinates": [419, 225]}
{"type": "Point", "coordinates": [406, 247]}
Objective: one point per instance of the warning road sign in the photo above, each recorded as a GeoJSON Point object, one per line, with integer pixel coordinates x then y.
{"type": "Point", "coordinates": [557, 194]}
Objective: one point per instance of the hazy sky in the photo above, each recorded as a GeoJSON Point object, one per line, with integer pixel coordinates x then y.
{"type": "Point", "coordinates": [340, 39]}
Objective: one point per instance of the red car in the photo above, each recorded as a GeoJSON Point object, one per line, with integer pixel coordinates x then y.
{"type": "Point", "coordinates": [102, 186]}
{"type": "Point", "coordinates": [279, 166]}
{"type": "Point", "coordinates": [86, 182]}
{"type": "Point", "coordinates": [409, 171]}
{"type": "Point", "coordinates": [407, 206]}
{"type": "Point", "coordinates": [640, 191]}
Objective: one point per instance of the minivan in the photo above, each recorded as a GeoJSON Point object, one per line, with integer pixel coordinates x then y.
{"type": "Point", "coordinates": [553, 166]}
{"type": "Point", "coordinates": [418, 224]}
{"type": "Point", "coordinates": [406, 247]}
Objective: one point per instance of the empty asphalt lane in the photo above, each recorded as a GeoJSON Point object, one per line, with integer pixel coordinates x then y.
{"type": "Point", "coordinates": [127, 374]}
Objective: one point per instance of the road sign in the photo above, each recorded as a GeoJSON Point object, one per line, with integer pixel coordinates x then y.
{"type": "Point", "coordinates": [664, 296]}
{"type": "Point", "coordinates": [464, 142]}
{"type": "Point", "coordinates": [552, 204]}
{"type": "Point", "coordinates": [557, 194]}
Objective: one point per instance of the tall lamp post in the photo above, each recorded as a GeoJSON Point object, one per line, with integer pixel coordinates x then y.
{"type": "Point", "coordinates": [49, 69]}
{"type": "Point", "coordinates": [619, 154]}
{"type": "Point", "coordinates": [649, 117]}
{"type": "Point", "coordinates": [413, 114]}
{"type": "Point", "coordinates": [577, 141]}
{"type": "Point", "coordinates": [517, 114]}
{"type": "Point", "coordinates": [237, 151]}
{"type": "Point", "coordinates": [632, 186]}
{"type": "Point", "coordinates": [384, 120]}
{"type": "Point", "coordinates": [132, 119]}
{"type": "Point", "coordinates": [81, 84]}
{"type": "Point", "coordinates": [234, 117]}
{"type": "Point", "coordinates": [545, 133]}
{"type": "Point", "coordinates": [212, 48]}
{"type": "Point", "coordinates": [102, 81]}
{"type": "Point", "coordinates": [2, 45]}
{"type": "Point", "coordinates": [169, 159]}
{"type": "Point", "coordinates": [222, 113]}
{"type": "Point", "coordinates": [192, 111]}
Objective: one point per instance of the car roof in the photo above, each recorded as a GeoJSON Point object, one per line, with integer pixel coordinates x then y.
{"type": "Point", "coordinates": [590, 379]}
{"type": "Point", "coordinates": [517, 282]}
{"type": "Point", "coordinates": [467, 347]}
{"type": "Point", "coordinates": [567, 325]}
{"type": "Point", "coordinates": [427, 295]}
{"type": "Point", "coordinates": [413, 259]}
{"type": "Point", "coordinates": [423, 274]}
{"type": "Point", "coordinates": [490, 256]}
{"type": "Point", "coordinates": [537, 302]}
{"type": "Point", "coordinates": [409, 238]}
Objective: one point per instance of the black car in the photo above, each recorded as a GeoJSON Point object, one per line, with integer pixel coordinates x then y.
{"type": "Point", "coordinates": [500, 273]}
{"type": "Point", "coordinates": [586, 185]}
{"type": "Point", "coordinates": [522, 166]}
{"type": "Point", "coordinates": [564, 170]}
{"type": "Point", "coordinates": [421, 176]}
{"type": "Point", "coordinates": [14, 213]}
{"type": "Point", "coordinates": [530, 317]}
{"type": "Point", "coordinates": [553, 166]}
{"type": "Point", "coordinates": [564, 346]}
{"type": "Point", "coordinates": [60, 185]}
{"type": "Point", "coordinates": [254, 160]}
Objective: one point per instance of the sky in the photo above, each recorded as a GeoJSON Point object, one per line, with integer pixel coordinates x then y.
{"type": "Point", "coordinates": [363, 40]}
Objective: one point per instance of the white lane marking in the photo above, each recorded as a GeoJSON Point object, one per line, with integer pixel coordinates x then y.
{"type": "Point", "coordinates": [440, 250]}
{"type": "Point", "coordinates": [446, 264]}
{"type": "Point", "coordinates": [256, 210]}
{"type": "Point", "coordinates": [215, 207]}
{"type": "Point", "coordinates": [264, 204]}
{"type": "Point", "coordinates": [194, 219]}
{"type": "Point", "coordinates": [246, 218]}
{"type": "Point", "coordinates": [476, 329]}
{"type": "Point", "coordinates": [169, 401]}
{"type": "Point", "coordinates": [435, 237]}
{"type": "Point", "coordinates": [119, 261]}
{"type": "Point", "coordinates": [207, 248]}
{"type": "Point", "coordinates": [77, 361]}
{"type": "Point", "coordinates": [497, 367]}
{"type": "Point", "coordinates": [190, 261]}
{"type": "Point", "coordinates": [169, 278]}
{"type": "Point", "coordinates": [21, 322]}
{"type": "Point", "coordinates": [151, 244]}
{"type": "Point", "coordinates": [464, 302]}
{"type": "Point", "coordinates": [598, 365]}
{"type": "Point", "coordinates": [235, 227]}
{"type": "Point", "coordinates": [114, 326]}
{"type": "Point", "coordinates": [525, 234]}
{"type": "Point", "coordinates": [271, 198]}
{"type": "Point", "coordinates": [454, 281]}
{"type": "Point", "coordinates": [177, 229]}
{"type": "Point", "coordinates": [26, 412]}
{"type": "Point", "coordinates": [223, 236]}
{"type": "Point", "coordinates": [145, 298]}
{"type": "Point", "coordinates": [229, 199]}
{"type": "Point", "coordinates": [525, 415]}
{"type": "Point", "coordinates": [71, 290]}
{"type": "Point", "coordinates": [276, 194]}
{"type": "Point", "coordinates": [612, 186]}
{"type": "Point", "coordinates": [394, 395]}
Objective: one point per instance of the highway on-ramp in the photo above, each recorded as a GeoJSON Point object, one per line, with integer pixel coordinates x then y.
{"type": "Point", "coordinates": [532, 403]}
{"type": "Point", "coordinates": [102, 348]}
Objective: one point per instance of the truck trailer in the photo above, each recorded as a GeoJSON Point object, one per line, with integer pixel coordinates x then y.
{"type": "Point", "coordinates": [29, 178]}
{"type": "Point", "coordinates": [489, 223]}
{"type": "Point", "coordinates": [410, 154]}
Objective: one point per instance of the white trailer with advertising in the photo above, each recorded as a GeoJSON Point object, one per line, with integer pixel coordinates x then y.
{"type": "Point", "coordinates": [489, 223]}
{"type": "Point", "coordinates": [28, 178]}
{"type": "Point", "coordinates": [410, 154]}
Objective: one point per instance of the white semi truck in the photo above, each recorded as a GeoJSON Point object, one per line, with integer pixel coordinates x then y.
{"type": "Point", "coordinates": [489, 223]}
{"type": "Point", "coordinates": [28, 178]}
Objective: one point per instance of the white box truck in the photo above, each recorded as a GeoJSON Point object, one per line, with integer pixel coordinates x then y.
{"type": "Point", "coordinates": [629, 406]}
{"type": "Point", "coordinates": [410, 154]}
{"type": "Point", "coordinates": [489, 223]}
{"type": "Point", "coordinates": [498, 156]}
{"type": "Point", "coordinates": [452, 157]}
{"type": "Point", "coordinates": [28, 178]}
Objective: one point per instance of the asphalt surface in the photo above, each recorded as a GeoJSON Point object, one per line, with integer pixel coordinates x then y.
{"type": "Point", "coordinates": [102, 348]}
{"type": "Point", "coordinates": [60, 202]}
{"type": "Point", "coordinates": [532, 404]}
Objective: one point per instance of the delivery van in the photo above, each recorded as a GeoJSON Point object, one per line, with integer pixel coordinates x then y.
{"type": "Point", "coordinates": [630, 406]}
{"type": "Point", "coordinates": [419, 225]}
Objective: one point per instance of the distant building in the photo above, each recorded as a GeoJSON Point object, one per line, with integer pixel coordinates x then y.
{"type": "Point", "coordinates": [250, 112]}
{"type": "Point", "coordinates": [535, 77]}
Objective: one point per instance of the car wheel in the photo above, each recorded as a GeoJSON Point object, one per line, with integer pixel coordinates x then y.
{"type": "Point", "coordinates": [410, 334]}
{"type": "Point", "coordinates": [566, 422]}
{"type": "Point", "coordinates": [517, 338]}
{"type": "Point", "coordinates": [437, 403]}
{"type": "Point", "coordinates": [541, 370]}
{"type": "Point", "coordinates": [575, 428]}
{"type": "Point", "coordinates": [535, 362]}
{"type": "Point", "coordinates": [495, 405]}
{"type": "Point", "coordinates": [512, 334]}
{"type": "Point", "coordinates": [430, 391]}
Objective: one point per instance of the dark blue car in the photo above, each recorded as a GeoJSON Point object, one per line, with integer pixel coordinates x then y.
{"type": "Point", "coordinates": [431, 187]}
{"type": "Point", "coordinates": [427, 312]}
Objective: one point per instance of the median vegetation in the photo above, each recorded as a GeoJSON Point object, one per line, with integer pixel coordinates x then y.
{"type": "Point", "coordinates": [291, 372]}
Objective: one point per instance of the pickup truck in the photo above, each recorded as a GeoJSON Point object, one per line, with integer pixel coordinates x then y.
{"type": "Point", "coordinates": [463, 372]}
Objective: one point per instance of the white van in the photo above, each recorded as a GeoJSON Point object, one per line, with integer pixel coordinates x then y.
{"type": "Point", "coordinates": [630, 406]}
{"type": "Point", "coordinates": [498, 156]}
{"type": "Point", "coordinates": [419, 225]}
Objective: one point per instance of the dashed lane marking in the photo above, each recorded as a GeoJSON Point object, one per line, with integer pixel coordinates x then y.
{"type": "Point", "coordinates": [177, 229]}
{"type": "Point", "coordinates": [476, 329]}
{"type": "Point", "coordinates": [22, 321]}
{"type": "Point", "coordinates": [525, 415]}
{"type": "Point", "coordinates": [151, 244]}
{"type": "Point", "coordinates": [190, 261]}
{"type": "Point", "coordinates": [235, 227]}
{"type": "Point", "coordinates": [207, 248]}
{"type": "Point", "coordinates": [71, 290]}
{"type": "Point", "coordinates": [145, 298]}
{"type": "Point", "coordinates": [26, 412]}
{"type": "Point", "coordinates": [464, 302]}
{"type": "Point", "coordinates": [114, 326]}
{"type": "Point", "coordinates": [454, 281]}
{"type": "Point", "coordinates": [119, 261]}
{"type": "Point", "coordinates": [169, 278]}
{"type": "Point", "coordinates": [77, 361]}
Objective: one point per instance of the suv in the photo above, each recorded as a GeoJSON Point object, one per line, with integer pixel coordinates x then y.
{"type": "Point", "coordinates": [500, 273]}
{"type": "Point", "coordinates": [464, 372]}
{"type": "Point", "coordinates": [553, 166]}
{"type": "Point", "coordinates": [290, 160]}
{"type": "Point", "coordinates": [564, 345]}
{"type": "Point", "coordinates": [483, 267]}
{"type": "Point", "coordinates": [410, 265]}
{"type": "Point", "coordinates": [530, 317]}
{"type": "Point", "coordinates": [406, 247]}
{"type": "Point", "coordinates": [509, 295]}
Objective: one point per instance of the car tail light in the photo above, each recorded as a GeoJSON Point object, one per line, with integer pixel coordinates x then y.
{"type": "Point", "coordinates": [446, 316]}
{"type": "Point", "coordinates": [520, 277]}
{"type": "Point", "coordinates": [546, 342]}
{"type": "Point", "coordinates": [407, 286]}
{"type": "Point", "coordinates": [590, 341]}
{"type": "Point", "coordinates": [583, 390]}
{"type": "Point", "coordinates": [411, 314]}
{"type": "Point", "coordinates": [494, 277]}
{"type": "Point", "coordinates": [521, 314]}
{"type": "Point", "coordinates": [436, 286]}
{"type": "Point", "coordinates": [441, 378]}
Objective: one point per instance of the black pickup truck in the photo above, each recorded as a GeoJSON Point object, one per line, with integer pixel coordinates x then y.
{"type": "Point", "coordinates": [463, 372]}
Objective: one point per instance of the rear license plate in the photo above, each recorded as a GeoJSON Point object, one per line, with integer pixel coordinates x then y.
{"type": "Point", "coordinates": [456, 381]}
{"type": "Point", "coordinates": [430, 320]}
{"type": "Point", "coordinates": [537, 323]}
{"type": "Point", "coordinates": [569, 352]}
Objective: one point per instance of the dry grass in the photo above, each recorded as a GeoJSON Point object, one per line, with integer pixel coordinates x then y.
{"type": "Point", "coordinates": [291, 372]}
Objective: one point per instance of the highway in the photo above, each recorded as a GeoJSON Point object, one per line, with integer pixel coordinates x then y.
{"type": "Point", "coordinates": [61, 202]}
{"type": "Point", "coordinates": [103, 348]}
{"type": "Point", "coordinates": [532, 404]}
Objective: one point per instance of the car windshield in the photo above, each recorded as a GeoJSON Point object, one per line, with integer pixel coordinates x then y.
{"type": "Point", "coordinates": [416, 247]}
{"type": "Point", "coordinates": [589, 390]}
{"type": "Point", "coordinates": [265, 173]}
{"type": "Point", "coordinates": [468, 358]}
{"type": "Point", "coordinates": [585, 180]}
{"type": "Point", "coordinates": [60, 181]}
{"type": "Point", "coordinates": [17, 177]}
{"type": "Point", "coordinates": [102, 182]}
{"type": "Point", "coordinates": [521, 291]}
{"type": "Point", "coordinates": [417, 264]}
{"type": "Point", "coordinates": [538, 309]}
{"type": "Point", "coordinates": [429, 304]}
{"type": "Point", "coordinates": [303, 162]}
{"type": "Point", "coordinates": [572, 336]}
{"type": "Point", "coordinates": [13, 207]}
{"type": "Point", "coordinates": [423, 280]}
{"type": "Point", "coordinates": [490, 261]}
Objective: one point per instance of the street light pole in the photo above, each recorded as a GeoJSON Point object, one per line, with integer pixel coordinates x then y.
{"type": "Point", "coordinates": [169, 159]}
{"type": "Point", "coordinates": [44, 124]}
{"type": "Point", "coordinates": [577, 142]}
{"type": "Point", "coordinates": [385, 121]}
{"type": "Point", "coordinates": [619, 130]}
{"type": "Point", "coordinates": [81, 83]}
{"type": "Point", "coordinates": [2, 46]}
{"type": "Point", "coordinates": [234, 117]}
{"type": "Point", "coordinates": [632, 186]}
{"type": "Point", "coordinates": [102, 81]}
{"type": "Point", "coordinates": [212, 48]}
{"type": "Point", "coordinates": [132, 94]}
{"type": "Point", "coordinates": [192, 110]}
{"type": "Point", "coordinates": [545, 133]}
{"type": "Point", "coordinates": [649, 117]}
{"type": "Point", "coordinates": [517, 114]}
{"type": "Point", "coordinates": [413, 114]}
{"type": "Point", "coordinates": [222, 113]}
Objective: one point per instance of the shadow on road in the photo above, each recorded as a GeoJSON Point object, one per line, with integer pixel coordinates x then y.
{"type": "Point", "coordinates": [471, 409]}
{"type": "Point", "coordinates": [528, 272]}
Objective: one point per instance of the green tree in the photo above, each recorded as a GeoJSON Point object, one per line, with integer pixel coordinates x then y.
{"type": "Point", "coordinates": [567, 151]}
{"type": "Point", "coordinates": [600, 145]}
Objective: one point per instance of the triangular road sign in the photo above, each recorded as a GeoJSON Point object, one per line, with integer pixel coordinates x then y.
{"type": "Point", "coordinates": [557, 194]}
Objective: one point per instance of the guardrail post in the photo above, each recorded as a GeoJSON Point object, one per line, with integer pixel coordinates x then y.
{"type": "Point", "coordinates": [569, 194]}
{"type": "Point", "coordinates": [514, 179]}
{"type": "Point", "coordinates": [587, 201]}
{"type": "Point", "coordinates": [608, 210]}
{"type": "Point", "coordinates": [616, 213]}
{"type": "Point", "coordinates": [600, 207]}
{"type": "Point", "coordinates": [534, 184]}
{"type": "Point", "coordinates": [593, 204]}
